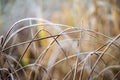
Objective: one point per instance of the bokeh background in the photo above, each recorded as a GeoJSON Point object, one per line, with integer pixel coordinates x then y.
{"type": "Point", "coordinates": [102, 14]}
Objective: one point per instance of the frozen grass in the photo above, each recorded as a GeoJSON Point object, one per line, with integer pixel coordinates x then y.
{"type": "Point", "coordinates": [63, 58]}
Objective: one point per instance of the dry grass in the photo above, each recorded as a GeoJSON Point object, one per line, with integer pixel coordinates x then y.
{"type": "Point", "coordinates": [62, 58]}
{"type": "Point", "coordinates": [89, 49]}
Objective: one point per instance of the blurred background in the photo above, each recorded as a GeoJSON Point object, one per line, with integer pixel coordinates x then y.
{"type": "Point", "coordinates": [97, 15]}
{"type": "Point", "coordinates": [100, 15]}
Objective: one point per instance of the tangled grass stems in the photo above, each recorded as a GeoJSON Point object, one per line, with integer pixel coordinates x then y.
{"type": "Point", "coordinates": [34, 25]}
{"type": "Point", "coordinates": [115, 43]}
{"type": "Point", "coordinates": [61, 33]}
{"type": "Point", "coordinates": [12, 58]}
{"type": "Point", "coordinates": [82, 61]}
{"type": "Point", "coordinates": [107, 47]}
{"type": "Point", "coordinates": [28, 46]}
{"type": "Point", "coordinates": [18, 77]}
{"type": "Point", "coordinates": [116, 75]}
{"type": "Point", "coordinates": [42, 55]}
{"type": "Point", "coordinates": [44, 52]}
{"type": "Point", "coordinates": [107, 68]}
